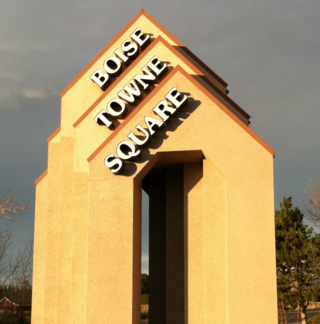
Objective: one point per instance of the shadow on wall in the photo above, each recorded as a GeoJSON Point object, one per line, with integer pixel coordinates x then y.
{"type": "Point", "coordinates": [161, 135]}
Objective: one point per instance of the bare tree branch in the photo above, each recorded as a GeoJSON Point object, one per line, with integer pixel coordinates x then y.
{"type": "Point", "coordinates": [311, 202]}
{"type": "Point", "coordinates": [15, 278]}
{"type": "Point", "coordinates": [14, 268]}
{"type": "Point", "coordinates": [10, 208]}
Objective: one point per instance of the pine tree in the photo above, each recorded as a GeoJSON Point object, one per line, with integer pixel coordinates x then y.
{"type": "Point", "coordinates": [298, 254]}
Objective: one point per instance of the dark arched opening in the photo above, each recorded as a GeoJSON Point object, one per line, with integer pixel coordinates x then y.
{"type": "Point", "coordinates": [167, 183]}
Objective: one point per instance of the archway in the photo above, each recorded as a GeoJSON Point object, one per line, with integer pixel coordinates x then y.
{"type": "Point", "coordinates": [168, 183]}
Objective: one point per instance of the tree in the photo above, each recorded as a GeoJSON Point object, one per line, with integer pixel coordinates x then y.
{"type": "Point", "coordinates": [284, 296]}
{"type": "Point", "coordinates": [10, 208]}
{"type": "Point", "coordinates": [297, 255]}
{"type": "Point", "coordinates": [15, 268]}
{"type": "Point", "coordinates": [311, 202]}
{"type": "Point", "coordinates": [144, 283]}
{"type": "Point", "coordinates": [15, 277]}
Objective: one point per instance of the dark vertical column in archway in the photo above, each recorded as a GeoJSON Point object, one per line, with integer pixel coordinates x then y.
{"type": "Point", "coordinates": [175, 289]}
{"type": "Point", "coordinates": [166, 246]}
{"type": "Point", "coordinates": [157, 248]}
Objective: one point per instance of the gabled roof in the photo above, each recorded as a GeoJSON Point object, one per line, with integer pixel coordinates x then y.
{"type": "Point", "coordinates": [210, 83]}
{"type": "Point", "coordinates": [204, 91]}
{"type": "Point", "coordinates": [162, 29]}
{"type": "Point", "coordinates": [182, 58]}
{"type": "Point", "coordinates": [28, 303]}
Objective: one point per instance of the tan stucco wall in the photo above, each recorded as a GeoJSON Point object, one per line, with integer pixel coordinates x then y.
{"type": "Point", "coordinates": [239, 224]}
{"type": "Point", "coordinates": [39, 260]}
{"type": "Point", "coordinates": [52, 247]}
{"type": "Point", "coordinates": [88, 221]}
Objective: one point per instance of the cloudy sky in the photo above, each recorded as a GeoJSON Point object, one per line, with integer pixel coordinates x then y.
{"type": "Point", "coordinates": [267, 51]}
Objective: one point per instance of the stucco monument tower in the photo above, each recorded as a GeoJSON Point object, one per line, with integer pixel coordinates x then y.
{"type": "Point", "coordinates": [147, 114]}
